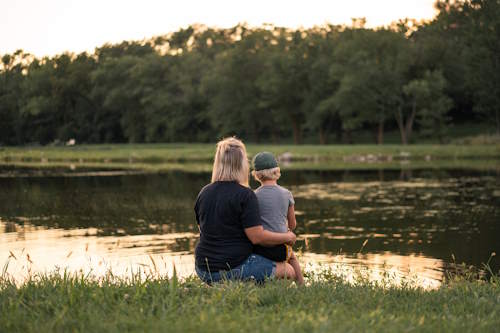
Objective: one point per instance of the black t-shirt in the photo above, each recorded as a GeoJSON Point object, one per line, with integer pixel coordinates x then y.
{"type": "Point", "coordinates": [223, 210]}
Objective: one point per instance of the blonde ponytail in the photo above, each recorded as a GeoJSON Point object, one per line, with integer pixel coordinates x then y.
{"type": "Point", "coordinates": [231, 162]}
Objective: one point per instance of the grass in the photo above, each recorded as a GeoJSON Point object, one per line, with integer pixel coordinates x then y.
{"type": "Point", "coordinates": [78, 303]}
{"type": "Point", "coordinates": [478, 140]}
{"type": "Point", "coordinates": [62, 168]}
{"type": "Point", "coordinates": [162, 153]}
{"type": "Point", "coordinates": [45, 161]}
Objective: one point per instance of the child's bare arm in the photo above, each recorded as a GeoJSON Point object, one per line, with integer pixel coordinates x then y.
{"type": "Point", "coordinates": [292, 223]}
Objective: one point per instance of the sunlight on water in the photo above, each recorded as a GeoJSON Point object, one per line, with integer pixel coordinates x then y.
{"type": "Point", "coordinates": [368, 223]}
{"type": "Point", "coordinates": [32, 250]}
{"type": "Point", "coordinates": [396, 269]}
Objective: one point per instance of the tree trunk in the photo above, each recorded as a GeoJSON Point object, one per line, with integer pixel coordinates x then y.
{"type": "Point", "coordinates": [322, 136]}
{"type": "Point", "coordinates": [256, 135]}
{"type": "Point", "coordinates": [380, 134]}
{"type": "Point", "coordinates": [274, 136]}
{"type": "Point", "coordinates": [399, 121]}
{"type": "Point", "coordinates": [404, 139]}
{"type": "Point", "coordinates": [348, 136]}
{"type": "Point", "coordinates": [375, 135]}
{"type": "Point", "coordinates": [338, 135]}
{"type": "Point", "coordinates": [297, 132]}
{"type": "Point", "coordinates": [409, 122]}
{"type": "Point", "coordinates": [497, 116]}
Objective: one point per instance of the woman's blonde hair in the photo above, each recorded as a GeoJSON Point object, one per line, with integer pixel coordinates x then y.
{"type": "Point", "coordinates": [267, 174]}
{"type": "Point", "coordinates": [231, 162]}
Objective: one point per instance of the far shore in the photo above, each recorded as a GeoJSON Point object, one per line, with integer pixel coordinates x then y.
{"type": "Point", "coordinates": [186, 152]}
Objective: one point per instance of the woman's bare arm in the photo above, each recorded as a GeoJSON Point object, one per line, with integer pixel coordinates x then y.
{"type": "Point", "coordinates": [292, 223]}
{"type": "Point", "coordinates": [257, 235]}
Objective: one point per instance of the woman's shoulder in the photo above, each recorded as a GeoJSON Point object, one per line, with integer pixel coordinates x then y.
{"type": "Point", "coordinates": [240, 192]}
{"type": "Point", "coordinates": [245, 190]}
{"type": "Point", "coordinates": [228, 187]}
{"type": "Point", "coordinates": [205, 188]}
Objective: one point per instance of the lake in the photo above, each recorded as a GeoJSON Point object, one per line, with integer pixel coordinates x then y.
{"type": "Point", "coordinates": [413, 223]}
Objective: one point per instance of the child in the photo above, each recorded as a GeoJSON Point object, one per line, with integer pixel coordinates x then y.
{"type": "Point", "coordinates": [276, 207]}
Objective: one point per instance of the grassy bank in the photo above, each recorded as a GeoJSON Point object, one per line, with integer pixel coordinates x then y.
{"type": "Point", "coordinates": [65, 168]}
{"type": "Point", "coordinates": [81, 304]}
{"type": "Point", "coordinates": [161, 153]}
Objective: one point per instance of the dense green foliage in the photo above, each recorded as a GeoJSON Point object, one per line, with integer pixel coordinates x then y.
{"type": "Point", "coordinates": [77, 303]}
{"type": "Point", "coordinates": [264, 84]}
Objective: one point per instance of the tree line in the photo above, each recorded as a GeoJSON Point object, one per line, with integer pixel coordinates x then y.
{"type": "Point", "coordinates": [264, 84]}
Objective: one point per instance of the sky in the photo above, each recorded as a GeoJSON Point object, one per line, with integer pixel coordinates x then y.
{"type": "Point", "coordinates": [49, 27]}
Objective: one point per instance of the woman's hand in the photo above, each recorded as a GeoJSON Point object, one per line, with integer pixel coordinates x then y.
{"type": "Point", "coordinates": [291, 238]}
{"type": "Point", "coordinates": [257, 235]}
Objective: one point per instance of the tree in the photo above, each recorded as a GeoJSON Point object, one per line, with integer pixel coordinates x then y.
{"type": "Point", "coordinates": [285, 81]}
{"type": "Point", "coordinates": [474, 28]}
{"type": "Point", "coordinates": [11, 81]}
{"type": "Point", "coordinates": [372, 67]}
{"type": "Point", "coordinates": [262, 84]}
{"type": "Point", "coordinates": [427, 103]}
{"type": "Point", "coordinates": [483, 36]}
{"type": "Point", "coordinates": [120, 116]}
{"type": "Point", "coordinates": [234, 88]}
{"type": "Point", "coordinates": [322, 115]}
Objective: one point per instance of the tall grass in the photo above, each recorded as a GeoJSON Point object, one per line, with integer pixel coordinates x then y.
{"type": "Point", "coordinates": [64, 302]}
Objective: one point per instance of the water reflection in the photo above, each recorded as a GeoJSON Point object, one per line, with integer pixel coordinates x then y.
{"type": "Point", "coordinates": [441, 217]}
{"type": "Point", "coordinates": [413, 222]}
{"type": "Point", "coordinates": [33, 249]}
{"type": "Point", "coordinates": [40, 250]}
{"type": "Point", "coordinates": [396, 269]}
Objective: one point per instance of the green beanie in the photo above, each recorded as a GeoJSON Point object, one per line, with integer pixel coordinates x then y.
{"type": "Point", "coordinates": [264, 160]}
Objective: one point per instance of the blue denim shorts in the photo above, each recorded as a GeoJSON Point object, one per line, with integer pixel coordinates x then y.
{"type": "Point", "coordinates": [255, 267]}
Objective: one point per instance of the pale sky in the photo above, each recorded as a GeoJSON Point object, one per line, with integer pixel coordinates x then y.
{"type": "Point", "coordinates": [48, 27]}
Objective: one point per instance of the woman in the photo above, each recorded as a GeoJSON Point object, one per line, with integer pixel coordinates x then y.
{"type": "Point", "coordinates": [228, 217]}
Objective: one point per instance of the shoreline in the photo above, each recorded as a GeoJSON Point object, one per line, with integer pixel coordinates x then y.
{"type": "Point", "coordinates": [154, 154]}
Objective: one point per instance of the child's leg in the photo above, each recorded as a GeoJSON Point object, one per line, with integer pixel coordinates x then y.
{"type": "Point", "coordinates": [296, 267]}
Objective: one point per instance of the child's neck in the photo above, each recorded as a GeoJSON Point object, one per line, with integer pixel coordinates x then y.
{"type": "Point", "coordinates": [268, 182]}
